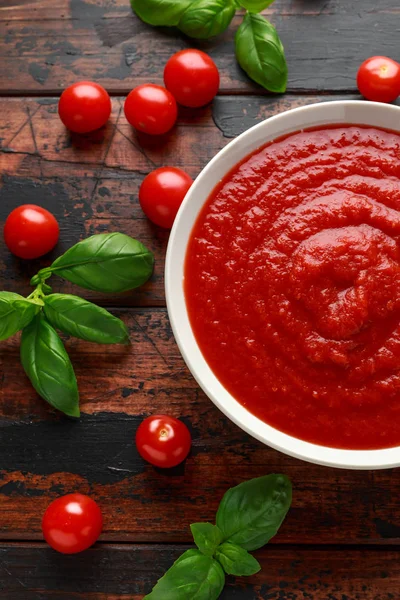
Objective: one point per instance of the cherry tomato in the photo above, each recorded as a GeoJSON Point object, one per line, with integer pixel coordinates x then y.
{"type": "Point", "coordinates": [151, 108]}
{"type": "Point", "coordinates": [84, 107]}
{"type": "Point", "coordinates": [30, 231]}
{"type": "Point", "coordinates": [163, 441]}
{"type": "Point", "coordinates": [192, 77]}
{"type": "Point", "coordinates": [378, 79]}
{"type": "Point", "coordinates": [161, 194]}
{"type": "Point", "coordinates": [72, 523]}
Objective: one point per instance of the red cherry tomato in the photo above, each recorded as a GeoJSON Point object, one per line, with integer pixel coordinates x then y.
{"type": "Point", "coordinates": [163, 441]}
{"type": "Point", "coordinates": [84, 107]}
{"type": "Point", "coordinates": [30, 231]}
{"type": "Point", "coordinates": [151, 108]}
{"type": "Point", "coordinates": [72, 523]}
{"type": "Point", "coordinates": [192, 77]}
{"type": "Point", "coordinates": [378, 79]}
{"type": "Point", "coordinates": [161, 194]}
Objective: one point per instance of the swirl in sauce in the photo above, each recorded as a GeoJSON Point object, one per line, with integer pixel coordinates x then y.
{"type": "Point", "coordinates": [292, 282]}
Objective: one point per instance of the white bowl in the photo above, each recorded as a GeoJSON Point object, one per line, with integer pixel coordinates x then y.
{"type": "Point", "coordinates": [326, 113]}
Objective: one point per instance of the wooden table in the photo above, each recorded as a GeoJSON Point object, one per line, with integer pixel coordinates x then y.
{"type": "Point", "coordinates": [341, 538]}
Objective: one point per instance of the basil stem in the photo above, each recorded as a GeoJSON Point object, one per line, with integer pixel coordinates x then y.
{"type": "Point", "coordinates": [109, 262]}
{"type": "Point", "coordinates": [82, 319]}
{"type": "Point", "coordinates": [260, 53]}
{"type": "Point", "coordinates": [48, 366]}
{"type": "Point", "coordinates": [15, 313]}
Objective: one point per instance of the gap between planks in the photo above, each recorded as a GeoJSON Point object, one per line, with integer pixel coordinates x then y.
{"type": "Point", "coordinates": [185, 545]}
{"type": "Point", "coordinates": [55, 93]}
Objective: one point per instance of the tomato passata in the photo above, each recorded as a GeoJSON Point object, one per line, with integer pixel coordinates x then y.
{"type": "Point", "coordinates": [163, 441]}
{"type": "Point", "coordinates": [192, 77]}
{"type": "Point", "coordinates": [84, 107]}
{"type": "Point", "coordinates": [30, 231]}
{"type": "Point", "coordinates": [72, 523]}
{"type": "Point", "coordinates": [151, 109]}
{"type": "Point", "coordinates": [378, 79]}
{"type": "Point", "coordinates": [161, 194]}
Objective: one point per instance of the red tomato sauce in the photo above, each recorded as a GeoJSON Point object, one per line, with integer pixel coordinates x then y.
{"type": "Point", "coordinates": [292, 283]}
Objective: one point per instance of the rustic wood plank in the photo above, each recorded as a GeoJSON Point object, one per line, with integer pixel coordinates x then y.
{"type": "Point", "coordinates": [44, 455]}
{"type": "Point", "coordinates": [34, 572]}
{"type": "Point", "coordinates": [46, 46]}
{"type": "Point", "coordinates": [91, 182]}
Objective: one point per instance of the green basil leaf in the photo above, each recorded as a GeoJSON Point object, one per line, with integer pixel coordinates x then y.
{"type": "Point", "coordinates": [255, 6]}
{"type": "Point", "coordinates": [48, 366]}
{"type": "Point", "coordinates": [15, 313]}
{"type": "Point", "coordinates": [192, 577]}
{"type": "Point", "coordinates": [207, 18]}
{"type": "Point", "coordinates": [46, 288]}
{"type": "Point", "coordinates": [251, 513]}
{"type": "Point", "coordinates": [260, 53]}
{"type": "Point", "coordinates": [82, 319]}
{"type": "Point", "coordinates": [236, 560]}
{"type": "Point", "coordinates": [160, 12]}
{"type": "Point", "coordinates": [107, 262]}
{"type": "Point", "coordinates": [207, 537]}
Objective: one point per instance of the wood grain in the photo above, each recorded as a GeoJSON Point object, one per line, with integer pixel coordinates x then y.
{"type": "Point", "coordinates": [44, 455]}
{"type": "Point", "coordinates": [46, 46]}
{"type": "Point", "coordinates": [34, 572]}
{"type": "Point", "coordinates": [91, 182]}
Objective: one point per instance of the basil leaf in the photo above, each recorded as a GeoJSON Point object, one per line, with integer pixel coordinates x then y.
{"type": "Point", "coordinates": [46, 288]}
{"type": "Point", "coordinates": [48, 366]}
{"type": "Point", "coordinates": [107, 262]}
{"type": "Point", "coordinates": [193, 576]}
{"type": "Point", "coordinates": [84, 320]}
{"type": "Point", "coordinates": [160, 12]}
{"type": "Point", "coordinates": [260, 53]}
{"type": "Point", "coordinates": [207, 537]}
{"type": "Point", "coordinates": [255, 6]}
{"type": "Point", "coordinates": [207, 18]}
{"type": "Point", "coordinates": [251, 513]}
{"type": "Point", "coordinates": [236, 560]}
{"type": "Point", "coordinates": [15, 313]}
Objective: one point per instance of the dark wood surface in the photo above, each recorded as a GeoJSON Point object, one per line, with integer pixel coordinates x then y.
{"type": "Point", "coordinates": [341, 539]}
{"type": "Point", "coordinates": [32, 572]}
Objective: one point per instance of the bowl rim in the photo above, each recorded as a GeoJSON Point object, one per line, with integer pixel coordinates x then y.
{"type": "Point", "coordinates": [176, 304]}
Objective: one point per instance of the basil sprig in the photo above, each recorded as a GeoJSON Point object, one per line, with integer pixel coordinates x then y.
{"type": "Point", "coordinates": [248, 516]}
{"type": "Point", "coordinates": [259, 50]}
{"type": "Point", "coordinates": [106, 263]}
